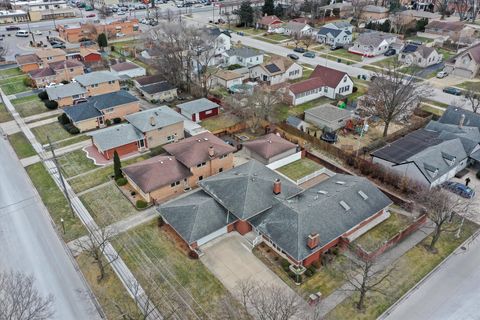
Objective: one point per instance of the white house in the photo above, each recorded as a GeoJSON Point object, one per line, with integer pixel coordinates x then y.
{"type": "Point", "coordinates": [222, 40]}
{"type": "Point", "coordinates": [339, 25]}
{"type": "Point", "coordinates": [323, 82]}
{"type": "Point", "coordinates": [292, 27]}
{"type": "Point", "coordinates": [128, 69]}
{"type": "Point", "coordinates": [421, 56]}
{"type": "Point", "coordinates": [371, 44]}
{"type": "Point", "coordinates": [278, 70]}
{"type": "Point", "coordinates": [334, 36]}
{"type": "Point", "coordinates": [226, 78]}
{"type": "Point", "coordinates": [244, 56]}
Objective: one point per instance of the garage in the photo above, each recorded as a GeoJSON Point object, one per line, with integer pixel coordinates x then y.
{"type": "Point", "coordinates": [212, 236]}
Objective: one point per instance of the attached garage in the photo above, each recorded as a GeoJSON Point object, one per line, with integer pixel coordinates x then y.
{"type": "Point", "coordinates": [213, 235]}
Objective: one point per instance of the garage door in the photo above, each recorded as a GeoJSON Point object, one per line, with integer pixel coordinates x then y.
{"type": "Point", "coordinates": [212, 236]}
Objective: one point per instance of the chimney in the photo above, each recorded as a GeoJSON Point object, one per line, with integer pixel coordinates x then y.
{"type": "Point", "coordinates": [211, 152]}
{"type": "Point", "coordinates": [313, 240]}
{"type": "Point", "coordinates": [277, 186]}
{"type": "Point", "coordinates": [462, 120]}
{"type": "Point", "coordinates": [152, 121]}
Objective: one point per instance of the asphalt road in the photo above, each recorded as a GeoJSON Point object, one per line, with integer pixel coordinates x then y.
{"type": "Point", "coordinates": [451, 293]}
{"type": "Point", "coordinates": [28, 243]}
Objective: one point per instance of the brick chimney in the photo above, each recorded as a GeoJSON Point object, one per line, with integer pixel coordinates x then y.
{"type": "Point", "coordinates": [211, 152]}
{"type": "Point", "coordinates": [277, 186]}
{"type": "Point", "coordinates": [462, 120]}
{"type": "Point", "coordinates": [313, 240]}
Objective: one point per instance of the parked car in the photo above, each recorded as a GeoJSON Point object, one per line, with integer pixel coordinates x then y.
{"type": "Point", "coordinates": [121, 13]}
{"type": "Point", "coordinates": [22, 33]}
{"type": "Point", "coordinates": [459, 188]}
{"type": "Point", "coordinates": [452, 90]}
{"type": "Point", "coordinates": [293, 56]}
{"type": "Point", "coordinates": [91, 15]}
{"type": "Point", "coordinates": [336, 47]}
{"type": "Point", "coordinates": [442, 74]}
{"type": "Point", "coordinates": [59, 46]}
{"type": "Point", "coordinates": [12, 28]}
{"type": "Point", "coordinates": [390, 52]}
{"type": "Point", "coordinates": [299, 50]}
{"type": "Point", "coordinates": [309, 54]}
{"type": "Point", "coordinates": [88, 8]}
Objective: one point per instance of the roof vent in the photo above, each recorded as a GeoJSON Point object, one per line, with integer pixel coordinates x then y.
{"type": "Point", "coordinates": [153, 123]}
{"type": "Point", "coordinates": [362, 194]}
{"type": "Point", "coordinates": [345, 205]}
{"type": "Point", "coordinates": [161, 162]}
{"type": "Point", "coordinates": [340, 182]}
{"type": "Point", "coordinates": [269, 141]}
{"type": "Point", "coordinates": [322, 192]}
{"type": "Point", "coordinates": [206, 139]}
{"type": "Point", "coordinates": [169, 158]}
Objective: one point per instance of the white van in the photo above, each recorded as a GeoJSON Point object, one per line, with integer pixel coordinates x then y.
{"type": "Point", "coordinates": [21, 33]}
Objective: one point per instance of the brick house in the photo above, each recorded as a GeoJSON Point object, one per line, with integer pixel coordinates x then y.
{"type": "Point", "coordinates": [128, 69]}
{"type": "Point", "coordinates": [269, 148]}
{"type": "Point", "coordinates": [90, 56]}
{"type": "Point", "coordinates": [56, 72]}
{"type": "Point", "coordinates": [373, 13]}
{"type": "Point", "coordinates": [186, 163]}
{"type": "Point", "coordinates": [28, 62]}
{"type": "Point", "coordinates": [298, 224]}
{"type": "Point", "coordinates": [40, 59]}
{"type": "Point", "coordinates": [123, 138]}
{"type": "Point", "coordinates": [269, 23]}
{"type": "Point", "coordinates": [77, 32]}
{"type": "Point", "coordinates": [198, 110]}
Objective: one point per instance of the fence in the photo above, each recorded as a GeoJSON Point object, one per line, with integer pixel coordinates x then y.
{"type": "Point", "coordinates": [414, 226]}
{"type": "Point", "coordinates": [310, 176]}
{"type": "Point", "coordinates": [283, 162]}
{"type": "Point", "coordinates": [230, 130]}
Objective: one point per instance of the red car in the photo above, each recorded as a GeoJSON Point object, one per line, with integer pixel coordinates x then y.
{"type": "Point", "coordinates": [91, 15]}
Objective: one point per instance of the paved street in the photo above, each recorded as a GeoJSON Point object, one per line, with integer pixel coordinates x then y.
{"type": "Point", "coordinates": [451, 293]}
{"type": "Point", "coordinates": [28, 242]}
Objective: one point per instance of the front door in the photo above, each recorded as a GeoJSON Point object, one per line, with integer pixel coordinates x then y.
{"type": "Point", "coordinates": [141, 144]}
{"type": "Point", "coordinates": [101, 122]}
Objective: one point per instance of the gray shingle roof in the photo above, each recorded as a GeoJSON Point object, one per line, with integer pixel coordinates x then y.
{"type": "Point", "coordinates": [113, 137]}
{"type": "Point", "coordinates": [247, 190]}
{"type": "Point", "coordinates": [162, 116]}
{"type": "Point", "coordinates": [318, 210]}
{"type": "Point", "coordinates": [325, 31]}
{"type": "Point", "coordinates": [470, 136]}
{"type": "Point", "coordinates": [329, 113]}
{"type": "Point", "coordinates": [67, 90]}
{"type": "Point", "coordinates": [453, 114]}
{"type": "Point", "coordinates": [195, 215]}
{"type": "Point", "coordinates": [82, 111]}
{"type": "Point", "coordinates": [96, 77]}
{"type": "Point", "coordinates": [157, 87]}
{"type": "Point", "coordinates": [373, 38]}
{"type": "Point", "coordinates": [244, 52]}
{"type": "Point", "coordinates": [269, 146]}
{"type": "Point", "coordinates": [198, 105]}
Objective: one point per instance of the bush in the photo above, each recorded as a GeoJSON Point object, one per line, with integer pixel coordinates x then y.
{"type": "Point", "coordinates": [335, 251]}
{"type": "Point", "coordinates": [117, 120]}
{"type": "Point", "coordinates": [193, 254]}
{"type": "Point", "coordinates": [317, 264]}
{"type": "Point", "coordinates": [154, 101]}
{"type": "Point", "coordinates": [65, 82]}
{"type": "Point", "coordinates": [292, 275]}
{"type": "Point", "coordinates": [478, 174]}
{"type": "Point", "coordinates": [108, 122]}
{"type": "Point", "coordinates": [28, 82]}
{"type": "Point", "coordinates": [354, 89]}
{"type": "Point", "coordinates": [285, 265]}
{"type": "Point", "coordinates": [63, 119]}
{"type": "Point", "coordinates": [122, 182]}
{"type": "Point", "coordinates": [312, 270]}
{"type": "Point", "coordinates": [141, 204]}
{"type": "Point", "coordinates": [71, 128]}
{"type": "Point", "coordinates": [160, 221]}
{"type": "Point", "coordinates": [234, 66]}
{"type": "Point", "coordinates": [308, 273]}
{"type": "Point", "coordinates": [52, 105]}
{"type": "Point", "coordinates": [43, 95]}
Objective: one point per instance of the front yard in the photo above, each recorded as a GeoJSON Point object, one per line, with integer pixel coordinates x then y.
{"type": "Point", "coordinates": [4, 114]}
{"type": "Point", "coordinates": [14, 85]}
{"type": "Point", "coordinates": [474, 85]}
{"type": "Point", "coordinates": [299, 169]}
{"type": "Point", "coordinates": [75, 163]}
{"type": "Point", "coordinates": [53, 130]}
{"type": "Point", "coordinates": [21, 145]}
{"type": "Point", "coordinates": [8, 73]}
{"type": "Point", "coordinates": [29, 106]}
{"type": "Point", "coordinates": [344, 54]}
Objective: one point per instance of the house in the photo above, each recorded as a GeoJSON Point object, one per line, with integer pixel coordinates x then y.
{"type": "Point", "coordinates": [409, 17]}
{"type": "Point", "coordinates": [432, 155]}
{"type": "Point", "coordinates": [222, 40]}
{"type": "Point", "coordinates": [300, 28]}
{"type": "Point", "coordinates": [161, 91]}
{"type": "Point", "coordinates": [334, 36]}
{"type": "Point", "coordinates": [298, 224]}
{"type": "Point", "coordinates": [66, 95]}
{"type": "Point", "coordinates": [323, 82]}
{"type": "Point", "coordinates": [269, 23]}
{"type": "Point", "coordinates": [452, 30]}
{"type": "Point", "coordinates": [99, 110]}
{"type": "Point", "coordinates": [198, 110]}
{"type": "Point", "coordinates": [128, 70]}
{"type": "Point", "coordinates": [90, 56]}
{"type": "Point", "coordinates": [56, 72]}
{"type": "Point", "coordinates": [147, 80]}
{"type": "Point", "coordinates": [465, 64]}
{"type": "Point", "coordinates": [269, 148]}
{"type": "Point", "coordinates": [45, 9]}
{"type": "Point", "coordinates": [75, 33]}
{"type": "Point", "coordinates": [13, 16]}
{"type": "Point", "coordinates": [456, 116]}
{"type": "Point", "coordinates": [244, 56]}
{"type": "Point", "coordinates": [277, 70]}
{"type": "Point", "coordinates": [39, 59]}
{"type": "Point", "coordinates": [189, 161]}
{"type": "Point", "coordinates": [328, 117]}
{"type": "Point", "coordinates": [123, 138]}
{"type": "Point", "coordinates": [421, 56]}
{"type": "Point", "coordinates": [226, 78]}
{"type": "Point", "coordinates": [50, 55]}
{"type": "Point", "coordinates": [28, 62]}
{"type": "Point", "coordinates": [371, 44]}
{"type": "Point", "coordinates": [373, 13]}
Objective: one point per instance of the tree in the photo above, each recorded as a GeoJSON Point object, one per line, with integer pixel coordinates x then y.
{"type": "Point", "coordinates": [20, 300]}
{"type": "Point", "coordinates": [473, 97]}
{"type": "Point", "coordinates": [102, 40]}
{"type": "Point", "coordinates": [393, 95]}
{"type": "Point", "coordinates": [441, 7]}
{"type": "Point", "coordinates": [278, 11]}
{"type": "Point", "coordinates": [117, 166]}
{"type": "Point", "coordinates": [268, 7]}
{"type": "Point", "coordinates": [357, 11]}
{"type": "Point", "coordinates": [462, 8]}
{"type": "Point", "coordinates": [245, 14]}
{"type": "Point", "coordinates": [308, 40]}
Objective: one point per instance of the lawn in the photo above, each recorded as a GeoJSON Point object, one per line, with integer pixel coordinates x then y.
{"type": "Point", "coordinates": [419, 39]}
{"type": "Point", "coordinates": [432, 110]}
{"type": "Point", "coordinates": [21, 145]}
{"type": "Point", "coordinates": [55, 202]}
{"type": "Point", "coordinates": [435, 103]}
{"type": "Point", "coordinates": [249, 31]}
{"type": "Point", "coordinates": [262, 38]}
{"type": "Point", "coordinates": [75, 163]}
{"type": "Point", "coordinates": [155, 258]}
{"type": "Point", "coordinates": [12, 72]}
{"type": "Point", "coordinates": [14, 85]}
{"type": "Point", "coordinates": [299, 169]}
{"type": "Point", "coordinates": [344, 54]}
{"type": "Point", "coordinates": [381, 233]}
{"type": "Point", "coordinates": [29, 106]}
{"type": "Point", "coordinates": [297, 110]}
{"type": "Point", "coordinates": [386, 62]}
{"type": "Point", "coordinates": [276, 37]}
{"type": "Point", "coordinates": [72, 140]}
{"type": "Point", "coordinates": [107, 205]}
{"type": "Point", "coordinates": [361, 90]}
{"type": "Point", "coordinates": [447, 54]}
{"type": "Point", "coordinates": [220, 122]}
{"type": "Point", "coordinates": [409, 269]}
{"type": "Point", "coordinates": [474, 85]}
{"type": "Point", "coordinates": [54, 130]}
{"type": "Point", "coordinates": [4, 114]}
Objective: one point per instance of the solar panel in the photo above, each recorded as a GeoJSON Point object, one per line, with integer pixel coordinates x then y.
{"type": "Point", "coordinates": [272, 68]}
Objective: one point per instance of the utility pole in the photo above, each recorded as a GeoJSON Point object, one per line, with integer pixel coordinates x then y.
{"type": "Point", "coordinates": [55, 161]}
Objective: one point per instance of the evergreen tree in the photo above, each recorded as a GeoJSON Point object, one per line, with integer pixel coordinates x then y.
{"type": "Point", "coordinates": [117, 166]}
{"type": "Point", "coordinates": [102, 40]}
{"type": "Point", "coordinates": [278, 11]}
{"type": "Point", "coordinates": [246, 13]}
{"type": "Point", "coordinates": [268, 7]}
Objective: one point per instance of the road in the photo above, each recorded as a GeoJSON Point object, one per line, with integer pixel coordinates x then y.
{"type": "Point", "coordinates": [451, 293]}
{"type": "Point", "coordinates": [29, 243]}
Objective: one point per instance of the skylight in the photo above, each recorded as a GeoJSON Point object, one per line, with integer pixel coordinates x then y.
{"type": "Point", "coordinates": [345, 205]}
{"type": "Point", "coordinates": [362, 194]}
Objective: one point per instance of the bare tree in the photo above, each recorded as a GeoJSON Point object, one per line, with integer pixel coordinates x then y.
{"type": "Point", "coordinates": [20, 300]}
{"type": "Point", "coordinates": [357, 10]}
{"type": "Point", "coordinates": [441, 206]}
{"type": "Point", "coordinates": [393, 95]}
{"type": "Point", "coordinates": [441, 6]}
{"type": "Point", "coordinates": [308, 40]}
{"type": "Point", "coordinates": [473, 97]}
{"type": "Point", "coordinates": [462, 8]}
{"type": "Point", "coordinates": [96, 245]}
{"type": "Point", "coordinates": [296, 38]}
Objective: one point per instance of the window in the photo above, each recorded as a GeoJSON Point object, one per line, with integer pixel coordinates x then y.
{"type": "Point", "coordinates": [201, 164]}
{"type": "Point", "coordinates": [94, 85]}
{"type": "Point", "coordinates": [173, 184]}
{"type": "Point", "coordinates": [200, 178]}
{"type": "Point", "coordinates": [224, 156]}
{"type": "Point", "coordinates": [49, 58]}
{"type": "Point", "coordinates": [325, 89]}
{"type": "Point", "coordinates": [220, 170]}
{"type": "Point", "coordinates": [171, 137]}
{"type": "Point", "coordinates": [111, 82]}
{"type": "Point", "coordinates": [208, 112]}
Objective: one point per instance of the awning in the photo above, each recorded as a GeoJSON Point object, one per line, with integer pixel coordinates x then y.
{"type": "Point", "coordinates": [476, 155]}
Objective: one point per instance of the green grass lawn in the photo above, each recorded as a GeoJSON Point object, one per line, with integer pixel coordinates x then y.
{"type": "Point", "coordinates": [75, 163]}
{"type": "Point", "coordinates": [262, 38]}
{"type": "Point", "coordinates": [107, 205]}
{"type": "Point", "coordinates": [435, 111]}
{"type": "Point", "coordinates": [386, 62]}
{"type": "Point", "coordinates": [419, 39]}
{"type": "Point", "coordinates": [70, 141]}
{"type": "Point", "coordinates": [409, 269]}
{"type": "Point", "coordinates": [447, 54]}
{"type": "Point", "coordinates": [474, 85]}
{"type": "Point", "coordinates": [14, 85]}
{"type": "Point", "coordinates": [7, 73]}
{"type": "Point", "coordinates": [277, 37]}
{"type": "Point", "coordinates": [435, 103]}
{"type": "Point", "coordinates": [248, 31]}
{"type": "Point", "coordinates": [149, 252]}
{"type": "Point", "coordinates": [54, 130]}
{"type": "Point", "coordinates": [297, 110]}
{"type": "Point", "coordinates": [361, 90]}
{"type": "Point", "coordinates": [29, 106]}
{"type": "Point", "coordinates": [220, 122]}
{"type": "Point", "coordinates": [55, 202]}
{"type": "Point", "coordinates": [4, 114]}
{"type": "Point", "coordinates": [299, 169]}
{"type": "Point", "coordinates": [21, 145]}
{"type": "Point", "coordinates": [344, 54]}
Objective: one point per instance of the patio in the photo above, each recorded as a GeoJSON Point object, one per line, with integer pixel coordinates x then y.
{"type": "Point", "coordinates": [99, 159]}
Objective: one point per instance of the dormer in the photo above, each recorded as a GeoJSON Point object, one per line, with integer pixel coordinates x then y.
{"type": "Point", "coordinates": [449, 159]}
{"type": "Point", "coordinates": [431, 170]}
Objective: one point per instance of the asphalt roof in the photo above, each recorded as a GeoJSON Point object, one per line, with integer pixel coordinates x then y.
{"type": "Point", "coordinates": [452, 115]}
{"type": "Point", "coordinates": [124, 66]}
{"type": "Point", "coordinates": [244, 52]}
{"type": "Point", "coordinates": [115, 136]}
{"type": "Point", "coordinates": [269, 145]}
{"type": "Point", "coordinates": [67, 90]}
{"type": "Point", "coordinates": [272, 68]}
{"type": "Point", "coordinates": [147, 80]}
{"type": "Point", "coordinates": [157, 87]}
{"type": "Point", "coordinates": [82, 111]}
{"type": "Point", "coordinates": [95, 77]}
{"type": "Point", "coordinates": [329, 113]}
{"type": "Point", "coordinates": [198, 105]}
{"type": "Point", "coordinates": [160, 117]}
{"type": "Point", "coordinates": [334, 32]}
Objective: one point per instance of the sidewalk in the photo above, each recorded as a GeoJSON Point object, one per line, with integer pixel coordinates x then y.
{"type": "Point", "coordinates": [34, 159]}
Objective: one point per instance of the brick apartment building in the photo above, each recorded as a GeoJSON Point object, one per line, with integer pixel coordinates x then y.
{"type": "Point", "coordinates": [87, 31]}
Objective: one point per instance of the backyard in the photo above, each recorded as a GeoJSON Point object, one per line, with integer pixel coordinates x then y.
{"type": "Point", "coordinates": [222, 121]}
{"type": "Point", "coordinates": [21, 145]}
{"type": "Point", "coordinates": [29, 106]}
{"type": "Point", "coordinates": [299, 169]}
{"type": "Point", "coordinates": [8, 73]}
{"type": "Point", "coordinates": [15, 84]}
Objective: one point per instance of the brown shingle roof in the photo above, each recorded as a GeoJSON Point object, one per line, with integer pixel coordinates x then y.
{"type": "Point", "coordinates": [123, 66]}
{"type": "Point", "coordinates": [269, 146]}
{"type": "Point", "coordinates": [227, 75]}
{"type": "Point", "coordinates": [146, 80]}
{"type": "Point", "coordinates": [157, 172]}
{"type": "Point", "coordinates": [40, 73]}
{"type": "Point", "coordinates": [44, 53]}
{"type": "Point", "coordinates": [321, 76]}
{"type": "Point", "coordinates": [27, 59]}
{"type": "Point", "coordinates": [446, 26]}
{"type": "Point", "coordinates": [59, 65]}
{"type": "Point", "coordinates": [268, 20]}
{"type": "Point", "coordinates": [86, 51]}
{"type": "Point", "coordinates": [194, 150]}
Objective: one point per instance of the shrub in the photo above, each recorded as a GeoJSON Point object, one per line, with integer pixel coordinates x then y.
{"type": "Point", "coordinates": [108, 122]}
{"type": "Point", "coordinates": [354, 89]}
{"type": "Point", "coordinates": [335, 251]}
{"type": "Point", "coordinates": [154, 101]}
{"type": "Point", "coordinates": [308, 273]}
{"type": "Point", "coordinates": [193, 254]}
{"type": "Point", "coordinates": [28, 82]}
{"type": "Point", "coordinates": [160, 221]}
{"type": "Point", "coordinates": [478, 174]}
{"type": "Point", "coordinates": [52, 105]}
{"type": "Point", "coordinates": [121, 181]}
{"type": "Point", "coordinates": [133, 193]}
{"type": "Point", "coordinates": [43, 95]}
{"type": "Point", "coordinates": [285, 265]}
{"type": "Point", "coordinates": [63, 119]}
{"type": "Point", "coordinates": [117, 166]}
{"type": "Point", "coordinates": [317, 264]}
{"type": "Point", "coordinates": [292, 275]}
{"type": "Point", "coordinates": [234, 66]}
{"type": "Point", "coordinates": [73, 130]}
{"type": "Point", "coordinates": [141, 204]}
{"type": "Point", "coordinates": [65, 82]}
{"type": "Point", "coordinates": [312, 270]}
{"type": "Point", "coordinates": [117, 120]}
